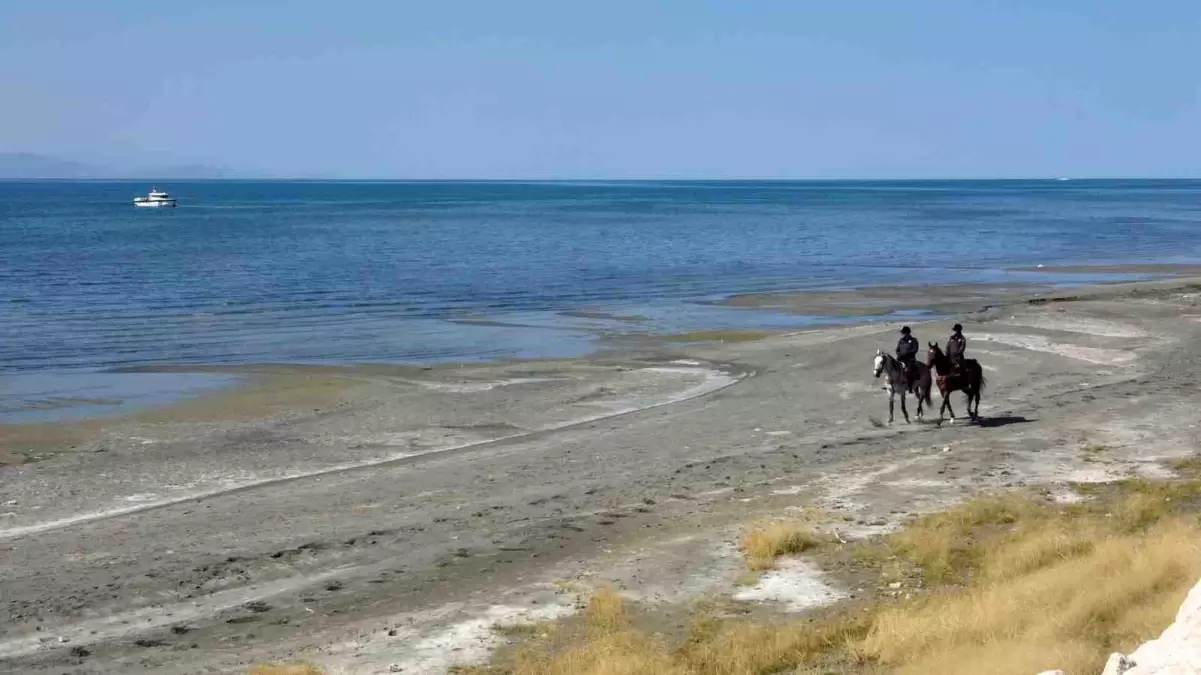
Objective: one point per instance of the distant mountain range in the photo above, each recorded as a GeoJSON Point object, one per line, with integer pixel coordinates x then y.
{"type": "Point", "coordinates": [30, 166]}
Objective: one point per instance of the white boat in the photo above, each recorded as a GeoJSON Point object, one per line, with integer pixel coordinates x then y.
{"type": "Point", "coordinates": [155, 199]}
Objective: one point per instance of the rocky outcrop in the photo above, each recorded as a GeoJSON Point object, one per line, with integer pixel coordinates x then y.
{"type": "Point", "coordinates": [1176, 652]}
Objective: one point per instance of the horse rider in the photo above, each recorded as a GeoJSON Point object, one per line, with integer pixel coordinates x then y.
{"type": "Point", "coordinates": [907, 349]}
{"type": "Point", "coordinates": [956, 347]}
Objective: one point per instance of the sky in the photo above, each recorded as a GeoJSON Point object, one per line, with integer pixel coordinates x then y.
{"type": "Point", "coordinates": [613, 89]}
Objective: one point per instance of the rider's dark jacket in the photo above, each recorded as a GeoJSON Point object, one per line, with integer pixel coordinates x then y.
{"type": "Point", "coordinates": [956, 347]}
{"type": "Point", "coordinates": [907, 349]}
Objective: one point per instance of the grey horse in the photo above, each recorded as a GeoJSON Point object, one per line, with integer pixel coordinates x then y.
{"type": "Point", "coordinates": [898, 383]}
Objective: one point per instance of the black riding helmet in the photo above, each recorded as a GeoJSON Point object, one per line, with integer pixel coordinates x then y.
{"type": "Point", "coordinates": [957, 328]}
{"type": "Point", "coordinates": [905, 330]}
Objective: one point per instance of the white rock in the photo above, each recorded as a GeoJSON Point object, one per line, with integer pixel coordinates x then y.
{"type": "Point", "coordinates": [1178, 650]}
{"type": "Point", "coordinates": [1117, 664]}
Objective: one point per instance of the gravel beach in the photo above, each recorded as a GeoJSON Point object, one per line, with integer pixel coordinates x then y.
{"type": "Point", "coordinates": [385, 518]}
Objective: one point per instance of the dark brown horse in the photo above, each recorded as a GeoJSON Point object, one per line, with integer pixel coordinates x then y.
{"type": "Point", "coordinates": [969, 379]}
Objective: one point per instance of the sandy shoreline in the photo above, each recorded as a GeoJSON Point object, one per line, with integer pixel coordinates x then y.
{"type": "Point", "coordinates": [354, 516]}
{"type": "Point", "coordinates": [54, 396]}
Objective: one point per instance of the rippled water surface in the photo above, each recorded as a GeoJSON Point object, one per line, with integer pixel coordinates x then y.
{"type": "Point", "coordinates": [246, 272]}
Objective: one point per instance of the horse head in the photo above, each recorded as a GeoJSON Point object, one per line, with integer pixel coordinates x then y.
{"type": "Point", "coordinates": [878, 364]}
{"type": "Point", "coordinates": [933, 354]}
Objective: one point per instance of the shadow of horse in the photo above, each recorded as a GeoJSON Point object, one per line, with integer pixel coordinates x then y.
{"type": "Point", "coordinates": [1002, 421]}
{"type": "Point", "coordinates": [983, 422]}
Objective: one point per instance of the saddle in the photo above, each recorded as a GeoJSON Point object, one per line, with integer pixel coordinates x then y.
{"type": "Point", "coordinates": [959, 368]}
{"type": "Point", "coordinates": [911, 375]}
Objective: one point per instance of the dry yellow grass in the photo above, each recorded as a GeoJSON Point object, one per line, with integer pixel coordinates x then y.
{"type": "Point", "coordinates": [1042, 605]}
{"type": "Point", "coordinates": [606, 612]}
{"type": "Point", "coordinates": [1189, 467]}
{"type": "Point", "coordinates": [763, 542]}
{"type": "Point", "coordinates": [746, 648]}
{"type": "Point", "coordinates": [1014, 586]}
{"type": "Point", "coordinates": [946, 545]}
{"type": "Point", "coordinates": [610, 646]}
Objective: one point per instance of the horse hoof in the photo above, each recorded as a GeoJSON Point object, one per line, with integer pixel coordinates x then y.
{"type": "Point", "coordinates": [952, 420]}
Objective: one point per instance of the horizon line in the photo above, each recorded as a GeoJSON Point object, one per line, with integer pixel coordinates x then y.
{"type": "Point", "coordinates": [317, 179]}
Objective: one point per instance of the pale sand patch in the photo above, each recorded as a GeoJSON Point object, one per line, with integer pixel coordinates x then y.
{"type": "Point", "coordinates": [841, 488]}
{"type": "Point", "coordinates": [465, 643]}
{"type": "Point", "coordinates": [916, 483]}
{"type": "Point", "coordinates": [849, 390]}
{"type": "Point", "coordinates": [796, 583]}
{"type": "Point", "coordinates": [1067, 497]}
{"type": "Point", "coordinates": [1079, 325]}
{"type": "Point", "coordinates": [1038, 343]}
{"type": "Point", "coordinates": [684, 568]}
{"type": "Point", "coordinates": [1102, 473]}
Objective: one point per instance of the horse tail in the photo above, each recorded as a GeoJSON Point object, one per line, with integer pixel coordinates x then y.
{"type": "Point", "coordinates": [980, 375]}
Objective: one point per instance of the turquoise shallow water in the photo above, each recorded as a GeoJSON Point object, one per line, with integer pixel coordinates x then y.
{"type": "Point", "coordinates": [335, 272]}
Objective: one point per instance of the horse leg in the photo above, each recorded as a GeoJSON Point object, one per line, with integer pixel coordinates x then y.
{"type": "Point", "coordinates": [903, 410]}
{"type": "Point", "coordinates": [919, 403]}
{"type": "Point", "coordinates": [946, 400]}
{"type": "Point", "coordinates": [891, 397]}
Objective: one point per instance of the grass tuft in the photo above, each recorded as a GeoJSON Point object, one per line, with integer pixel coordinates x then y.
{"type": "Point", "coordinates": [1187, 467]}
{"type": "Point", "coordinates": [763, 542]}
{"type": "Point", "coordinates": [946, 546]}
{"type": "Point", "coordinates": [606, 612]}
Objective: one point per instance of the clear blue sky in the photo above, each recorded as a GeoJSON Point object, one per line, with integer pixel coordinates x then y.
{"type": "Point", "coordinates": [620, 88]}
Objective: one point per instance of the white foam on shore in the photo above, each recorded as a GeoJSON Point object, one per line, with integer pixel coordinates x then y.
{"type": "Point", "coordinates": [711, 380]}
{"type": "Point", "coordinates": [468, 387]}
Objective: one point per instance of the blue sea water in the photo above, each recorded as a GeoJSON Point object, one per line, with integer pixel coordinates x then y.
{"type": "Point", "coordinates": [335, 272]}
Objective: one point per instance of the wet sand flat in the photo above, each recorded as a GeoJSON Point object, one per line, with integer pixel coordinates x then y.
{"type": "Point", "coordinates": [1166, 269]}
{"type": "Point", "coordinates": [377, 517]}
